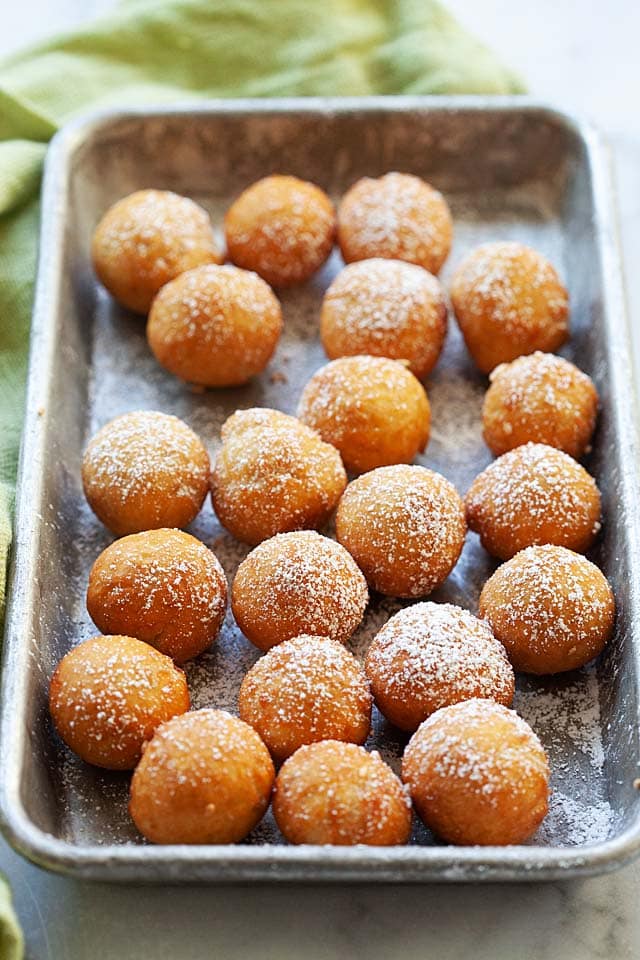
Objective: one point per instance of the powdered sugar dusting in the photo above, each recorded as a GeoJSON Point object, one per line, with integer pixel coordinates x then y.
{"type": "Point", "coordinates": [405, 523]}
{"type": "Point", "coordinates": [136, 453]}
{"type": "Point", "coordinates": [297, 582]}
{"type": "Point", "coordinates": [432, 655]}
{"type": "Point", "coordinates": [452, 745]}
{"type": "Point", "coordinates": [282, 227]}
{"type": "Point", "coordinates": [398, 216]}
{"type": "Point", "coordinates": [507, 280]}
{"type": "Point", "coordinates": [550, 602]}
{"type": "Point", "coordinates": [540, 398]}
{"type": "Point", "coordinates": [306, 689]}
{"type": "Point", "coordinates": [388, 308]}
{"type": "Point", "coordinates": [534, 494]}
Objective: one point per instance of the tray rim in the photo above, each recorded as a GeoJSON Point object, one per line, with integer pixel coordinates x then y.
{"type": "Point", "coordinates": [284, 863]}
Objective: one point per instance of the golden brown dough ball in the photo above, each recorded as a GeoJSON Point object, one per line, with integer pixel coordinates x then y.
{"type": "Point", "coordinates": [108, 695]}
{"type": "Point", "coordinates": [534, 494]}
{"type": "Point", "coordinates": [145, 470]}
{"type": "Point", "coordinates": [431, 655]}
{"type": "Point", "coordinates": [337, 793]}
{"type": "Point", "coordinates": [477, 774]}
{"type": "Point", "coordinates": [385, 308]}
{"type": "Point", "coordinates": [281, 227]}
{"type": "Point", "coordinates": [305, 690]}
{"type": "Point", "coordinates": [539, 398]}
{"type": "Point", "coordinates": [508, 300]}
{"type": "Point", "coordinates": [273, 474]}
{"type": "Point", "coordinates": [297, 583]}
{"type": "Point", "coordinates": [147, 239]}
{"type": "Point", "coordinates": [551, 608]}
{"type": "Point", "coordinates": [205, 777]}
{"type": "Point", "coordinates": [397, 216]}
{"type": "Point", "coordinates": [215, 326]}
{"type": "Point", "coordinates": [372, 409]}
{"type": "Point", "coordinates": [405, 528]}
{"type": "Point", "coordinates": [161, 586]}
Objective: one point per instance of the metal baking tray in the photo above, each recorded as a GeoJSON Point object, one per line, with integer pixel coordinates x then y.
{"type": "Point", "coordinates": [510, 169]}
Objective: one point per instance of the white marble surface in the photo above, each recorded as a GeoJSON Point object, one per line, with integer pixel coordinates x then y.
{"type": "Point", "coordinates": [580, 55]}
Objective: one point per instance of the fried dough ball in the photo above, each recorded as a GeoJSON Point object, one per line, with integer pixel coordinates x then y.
{"type": "Point", "coordinates": [145, 470]}
{"type": "Point", "coordinates": [147, 239]}
{"type": "Point", "coordinates": [297, 583]}
{"type": "Point", "coordinates": [385, 308]}
{"type": "Point", "coordinates": [161, 586]}
{"type": "Point", "coordinates": [305, 690]}
{"type": "Point", "coordinates": [551, 608]}
{"type": "Point", "coordinates": [337, 793]}
{"type": "Point", "coordinates": [205, 777]}
{"type": "Point", "coordinates": [273, 474]}
{"type": "Point", "coordinates": [215, 326]}
{"type": "Point", "coordinates": [372, 409]}
{"type": "Point", "coordinates": [477, 774]}
{"type": "Point", "coordinates": [397, 216]}
{"type": "Point", "coordinates": [508, 301]}
{"type": "Point", "coordinates": [281, 227]}
{"type": "Point", "coordinates": [405, 528]}
{"type": "Point", "coordinates": [531, 495]}
{"type": "Point", "coordinates": [539, 398]}
{"type": "Point", "coordinates": [108, 695]}
{"type": "Point", "coordinates": [431, 655]}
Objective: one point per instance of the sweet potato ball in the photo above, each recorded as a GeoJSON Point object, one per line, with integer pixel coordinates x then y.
{"type": "Point", "coordinates": [477, 774]}
{"type": "Point", "coordinates": [398, 216]}
{"type": "Point", "coordinates": [273, 474]}
{"type": "Point", "coordinates": [532, 495]}
{"type": "Point", "coordinates": [145, 470]}
{"type": "Point", "coordinates": [147, 239]}
{"type": "Point", "coordinates": [508, 301]}
{"type": "Point", "coordinates": [108, 695]}
{"type": "Point", "coordinates": [337, 793]}
{"type": "Point", "coordinates": [372, 409]}
{"type": "Point", "coordinates": [551, 608]}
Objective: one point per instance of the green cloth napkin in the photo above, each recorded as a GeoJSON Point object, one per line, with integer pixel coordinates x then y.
{"type": "Point", "coordinates": [11, 944]}
{"type": "Point", "coordinates": [171, 50]}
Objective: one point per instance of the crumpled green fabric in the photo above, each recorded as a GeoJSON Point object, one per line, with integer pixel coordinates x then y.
{"type": "Point", "coordinates": [172, 50]}
{"type": "Point", "coordinates": [11, 943]}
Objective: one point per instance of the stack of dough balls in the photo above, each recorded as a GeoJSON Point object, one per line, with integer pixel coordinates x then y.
{"type": "Point", "coordinates": [273, 474]}
{"type": "Point", "coordinates": [385, 308]}
{"type": "Point", "coordinates": [477, 774]}
{"type": "Point", "coordinates": [145, 240]}
{"type": "Point", "coordinates": [305, 690]}
{"type": "Point", "coordinates": [508, 301]}
{"type": "Point", "coordinates": [215, 326]}
{"type": "Point", "coordinates": [405, 528]}
{"type": "Point", "coordinates": [161, 586]}
{"type": "Point", "coordinates": [399, 217]}
{"type": "Point", "coordinates": [298, 583]}
{"type": "Point", "coordinates": [281, 227]}
{"type": "Point", "coordinates": [551, 608]}
{"type": "Point", "coordinates": [373, 410]}
{"type": "Point", "coordinates": [145, 470]}
{"type": "Point", "coordinates": [532, 495]}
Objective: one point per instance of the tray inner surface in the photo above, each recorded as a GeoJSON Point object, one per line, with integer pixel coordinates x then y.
{"type": "Point", "coordinates": [506, 176]}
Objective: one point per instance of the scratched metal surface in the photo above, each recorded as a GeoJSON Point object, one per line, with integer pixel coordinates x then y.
{"type": "Point", "coordinates": [510, 170]}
